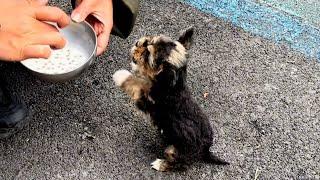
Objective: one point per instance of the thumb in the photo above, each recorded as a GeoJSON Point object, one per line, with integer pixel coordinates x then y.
{"type": "Point", "coordinates": [81, 12]}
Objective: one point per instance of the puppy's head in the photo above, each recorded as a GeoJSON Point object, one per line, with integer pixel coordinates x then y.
{"type": "Point", "coordinates": [155, 55]}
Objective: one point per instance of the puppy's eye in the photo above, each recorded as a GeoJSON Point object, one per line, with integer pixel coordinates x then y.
{"type": "Point", "coordinates": [145, 44]}
{"type": "Point", "coordinates": [134, 60]}
{"type": "Point", "coordinates": [137, 43]}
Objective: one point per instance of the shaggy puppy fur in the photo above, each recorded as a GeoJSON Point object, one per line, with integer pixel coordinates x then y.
{"type": "Point", "coordinates": [158, 87]}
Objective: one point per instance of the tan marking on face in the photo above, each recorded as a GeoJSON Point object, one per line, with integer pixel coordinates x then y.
{"type": "Point", "coordinates": [137, 55]}
{"type": "Point", "coordinates": [151, 50]}
{"type": "Point", "coordinates": [138, 47]}
{"type": "Point", "coordinates": [142, 66]}
{"type": "Point", "coordinates": [178, 55]}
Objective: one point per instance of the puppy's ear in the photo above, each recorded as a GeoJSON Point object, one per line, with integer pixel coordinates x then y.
{"type": "Point", "coordinates": [186, 37]}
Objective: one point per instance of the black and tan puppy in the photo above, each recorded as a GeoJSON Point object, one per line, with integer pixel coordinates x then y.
{"type": "Point", "coordinates": [158, 86]}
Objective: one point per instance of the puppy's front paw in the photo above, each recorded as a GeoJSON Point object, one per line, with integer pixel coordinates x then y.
{"type": "Point", "coordinates": [120, 76]}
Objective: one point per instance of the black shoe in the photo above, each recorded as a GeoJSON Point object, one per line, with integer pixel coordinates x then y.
{"type": "Point", "coordinates": [13, 113]}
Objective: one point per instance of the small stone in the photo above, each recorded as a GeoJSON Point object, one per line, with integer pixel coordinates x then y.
{"type": "Point", "coordinates": [95, 82]}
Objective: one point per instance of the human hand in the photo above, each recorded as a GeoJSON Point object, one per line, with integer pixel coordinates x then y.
{"type": "Point", "coordinates": [99, 14]}
{"type": "Point", "coordinates": [28, 36]}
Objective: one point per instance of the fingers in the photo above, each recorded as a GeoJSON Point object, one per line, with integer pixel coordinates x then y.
{"type": "Point", "coordinates": [103, 31]}
{"type": "Point", "coordinates": [38, 2]}
{"type": "Point", "coordinates": [45, 27]}
{"type": "Point", "coordinates": [53, 39]}
{"type": "Point", "coordinates": [35, 51]}
{"type": "Point", "coordinates": [81, 12]}
{"type": "Point", "coordinates": [103, 40]}
{"type": "Point", "coordinates": [52, 14]}
{"type": "Point", "coordinates": [40, 45]}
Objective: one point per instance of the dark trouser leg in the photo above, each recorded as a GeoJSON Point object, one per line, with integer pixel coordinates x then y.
{"type": "Point", "coordinates": [12, 112]}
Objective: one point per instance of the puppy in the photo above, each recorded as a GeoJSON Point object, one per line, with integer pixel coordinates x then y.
{"type": "Point", "coordinates": [158, 87]}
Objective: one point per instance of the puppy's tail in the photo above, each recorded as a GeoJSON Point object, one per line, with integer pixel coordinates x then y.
{"type": "Point", "coordinates": [211, 158]}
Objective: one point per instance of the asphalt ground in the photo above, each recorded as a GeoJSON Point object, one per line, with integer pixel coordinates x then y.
{"type": "Point", "coordinates": [263, 101]}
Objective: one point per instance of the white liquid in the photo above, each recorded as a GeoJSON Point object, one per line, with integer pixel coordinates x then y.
{"type": "Point", "coordinates": [61, 61]}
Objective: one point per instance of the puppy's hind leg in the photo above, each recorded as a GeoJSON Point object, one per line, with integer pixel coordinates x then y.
{"type": "Point", "coordinates": [161, 165]}
{"type": "Point", "coordinates": [171, 154]}
{"type": "Point", "coordinates": [166, 164]}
